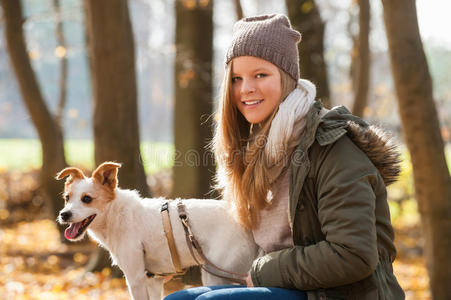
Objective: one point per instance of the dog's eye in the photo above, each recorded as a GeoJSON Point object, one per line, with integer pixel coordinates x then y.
{"type": "Point", "coordinates": [86, 199]}
{"type": "Point", "coordinates": [66, 198]}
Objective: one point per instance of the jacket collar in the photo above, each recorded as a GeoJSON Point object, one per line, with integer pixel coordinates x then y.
{"type": "Point", "coordinates": [334, 123]}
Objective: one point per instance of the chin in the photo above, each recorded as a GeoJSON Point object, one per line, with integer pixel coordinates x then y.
{"type": "Point", "coordinates": [253, 120]}
{"type": "Point", "coordinates": [256, 117]}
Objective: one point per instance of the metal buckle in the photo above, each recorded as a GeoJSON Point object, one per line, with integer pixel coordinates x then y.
{"type": "Point", "coordinates": [165, 206]}
{"type": "Point", "coordinates": [191, 238]}
{"type": "Point", "coordinates": [150, 274]}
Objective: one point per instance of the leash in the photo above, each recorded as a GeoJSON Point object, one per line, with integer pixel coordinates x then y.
{"type": "Point", "coordinates": [166, 220]}
{"type": "Point", "coordinates": [207, 265]}
{"type": "Point", "coordinates": [193, 244]}
{"type": "Point", "coordinates": [170, 238]}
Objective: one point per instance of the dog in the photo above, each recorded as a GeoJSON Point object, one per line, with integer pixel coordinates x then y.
{"type": "Point", "coordinates": [131, 229]}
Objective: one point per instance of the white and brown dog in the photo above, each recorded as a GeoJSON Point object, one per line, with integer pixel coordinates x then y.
{"type": "Point", "coordinates": [131, 229]}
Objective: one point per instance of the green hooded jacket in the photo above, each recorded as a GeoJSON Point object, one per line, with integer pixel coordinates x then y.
{"type": "Point", "coordinates": [339, 213]}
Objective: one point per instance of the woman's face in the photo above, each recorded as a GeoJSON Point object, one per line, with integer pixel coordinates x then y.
{"type": "Point", "coordinates": [256, 87]}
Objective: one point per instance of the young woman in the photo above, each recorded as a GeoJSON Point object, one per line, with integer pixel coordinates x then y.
{"type": "Point", "coordinates": [309, 183]}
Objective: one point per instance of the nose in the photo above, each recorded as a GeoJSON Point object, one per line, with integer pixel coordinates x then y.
{"type": "Point", "coordinates": [65, 216]}
{"type": "Point", "coordinates": [247, 87]}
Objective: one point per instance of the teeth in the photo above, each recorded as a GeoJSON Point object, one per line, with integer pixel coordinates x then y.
{"type": "Point", "coordinates": [252, 102]}
{"type": "Point", "coordinates": [87, 220]}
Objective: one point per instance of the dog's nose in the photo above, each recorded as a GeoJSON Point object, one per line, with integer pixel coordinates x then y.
{"type": "Point", "coordinates": [65, 216]}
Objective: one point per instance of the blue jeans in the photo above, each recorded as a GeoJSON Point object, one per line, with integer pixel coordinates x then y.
{"type": "Point", "coordinates": [236, 292]}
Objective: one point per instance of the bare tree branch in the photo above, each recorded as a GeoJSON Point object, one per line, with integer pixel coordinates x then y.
{"type": "Point", "coordinates": [50, 135]}
{"type": "Point", "coordinates": [238, 10]}
{"type": "Point", "coordinates": [61, 51]}
{"type": "Point", "coordinates": [361, 60]}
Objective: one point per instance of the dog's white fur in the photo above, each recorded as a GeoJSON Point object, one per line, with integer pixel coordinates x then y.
{"type": "Point", "coordinates": [131, 229]}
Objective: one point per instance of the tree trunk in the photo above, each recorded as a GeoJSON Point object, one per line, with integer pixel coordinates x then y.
{"type": "Point", "coordinates": [63, 67]}
{"type": "Point", "coordinates": [305, 18]}
{"type": "Point", "coordinates": [48, 130]}
{"type": "Point", "coordinates": [113, 81]}
{"type": "Point", "coordinates": [421, 126]}
{"type": "Point", "coordinates": [361, 60]}
{"type": "Point", "coordinates": [238, 10]}
{"type": "Point", "coordinates": [194, 165]}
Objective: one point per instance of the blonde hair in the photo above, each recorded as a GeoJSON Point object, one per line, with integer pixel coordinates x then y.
{"type": "Point", "coordinates": [242, 175]}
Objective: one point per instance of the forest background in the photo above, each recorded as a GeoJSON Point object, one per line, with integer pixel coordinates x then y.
{"type": "Point", "coordinates": [35, 263]}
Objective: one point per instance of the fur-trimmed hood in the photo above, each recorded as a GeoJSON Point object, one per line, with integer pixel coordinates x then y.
{"type": "Point", "coordinates": [376, 143]}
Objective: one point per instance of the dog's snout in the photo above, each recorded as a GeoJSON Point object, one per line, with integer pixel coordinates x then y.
{"type": "Point", "coordinates": [65, 216]}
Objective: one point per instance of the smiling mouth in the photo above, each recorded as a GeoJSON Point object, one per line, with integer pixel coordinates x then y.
{"type": "Point", "coordinates": [251, 103]}
{"type": "Point", "coordinates": [76, 229]}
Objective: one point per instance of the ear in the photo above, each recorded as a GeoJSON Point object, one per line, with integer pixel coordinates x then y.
{"type": "Point", "coordinates": [72, 172]}
{"type": "Point", "coordinates": [106, 174]}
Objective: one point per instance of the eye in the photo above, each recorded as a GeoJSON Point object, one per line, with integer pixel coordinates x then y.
{"type": "Point", "coordinates": [66, 198]}
{"type": "Point", "coordinates": [261, 75]}
{"type": "Point", "coordinates": [86, 199]}
{"type": "Point", "coordinates": [235, 79]}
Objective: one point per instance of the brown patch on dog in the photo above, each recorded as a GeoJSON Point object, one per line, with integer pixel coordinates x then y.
{"type": "Point", "coordinates": [106, 174]}
{"type": "Point", "coordinates": [103, 193]}
{"type": "Point", "coordinates": [74, 173]}
{"type": "Point", "coordinates": [104, 180]}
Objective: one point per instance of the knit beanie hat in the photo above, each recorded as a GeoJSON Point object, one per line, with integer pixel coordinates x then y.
{"type": "Point", "coordinates": [269, 37]}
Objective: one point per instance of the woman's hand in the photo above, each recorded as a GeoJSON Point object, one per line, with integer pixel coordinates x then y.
{"type": "Point", "coordinates": [249, 281]}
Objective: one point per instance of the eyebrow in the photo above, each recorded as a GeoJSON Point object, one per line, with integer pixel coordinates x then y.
{"type": "Point", "coordinates": [255, 71]}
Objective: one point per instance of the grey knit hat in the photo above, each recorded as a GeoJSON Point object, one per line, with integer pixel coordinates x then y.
{"type": "Point", "coordinates": [269, 37]}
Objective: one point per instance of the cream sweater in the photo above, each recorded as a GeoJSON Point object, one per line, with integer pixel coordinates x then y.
{"type": "Point", "coordinates": [274, 232]}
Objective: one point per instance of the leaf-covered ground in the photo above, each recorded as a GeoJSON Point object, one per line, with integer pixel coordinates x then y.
{"type": "Point", "coordinates": [35, 264]}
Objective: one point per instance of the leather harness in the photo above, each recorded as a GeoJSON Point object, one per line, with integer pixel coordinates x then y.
{"type": "Point", "coordinates": [193, 246]}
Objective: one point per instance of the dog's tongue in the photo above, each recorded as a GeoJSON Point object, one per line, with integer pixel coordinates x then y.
{"type": "Point", "coordinates": [72, 231]}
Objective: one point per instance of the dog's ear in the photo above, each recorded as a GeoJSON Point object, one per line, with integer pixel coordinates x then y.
{"type": "Point", "coordinates": [106, 174]}
{"type": "Point", "coordinates": [74, 173]}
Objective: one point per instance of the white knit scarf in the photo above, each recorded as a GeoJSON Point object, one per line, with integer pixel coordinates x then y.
{"type": "Point", "coordinates": [287, 126]}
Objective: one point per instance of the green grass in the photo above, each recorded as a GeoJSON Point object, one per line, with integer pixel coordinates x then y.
{"type": "Point", "coordinates": [18, 154]}
{"type": "Point", "coordinates": [25, 154]}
